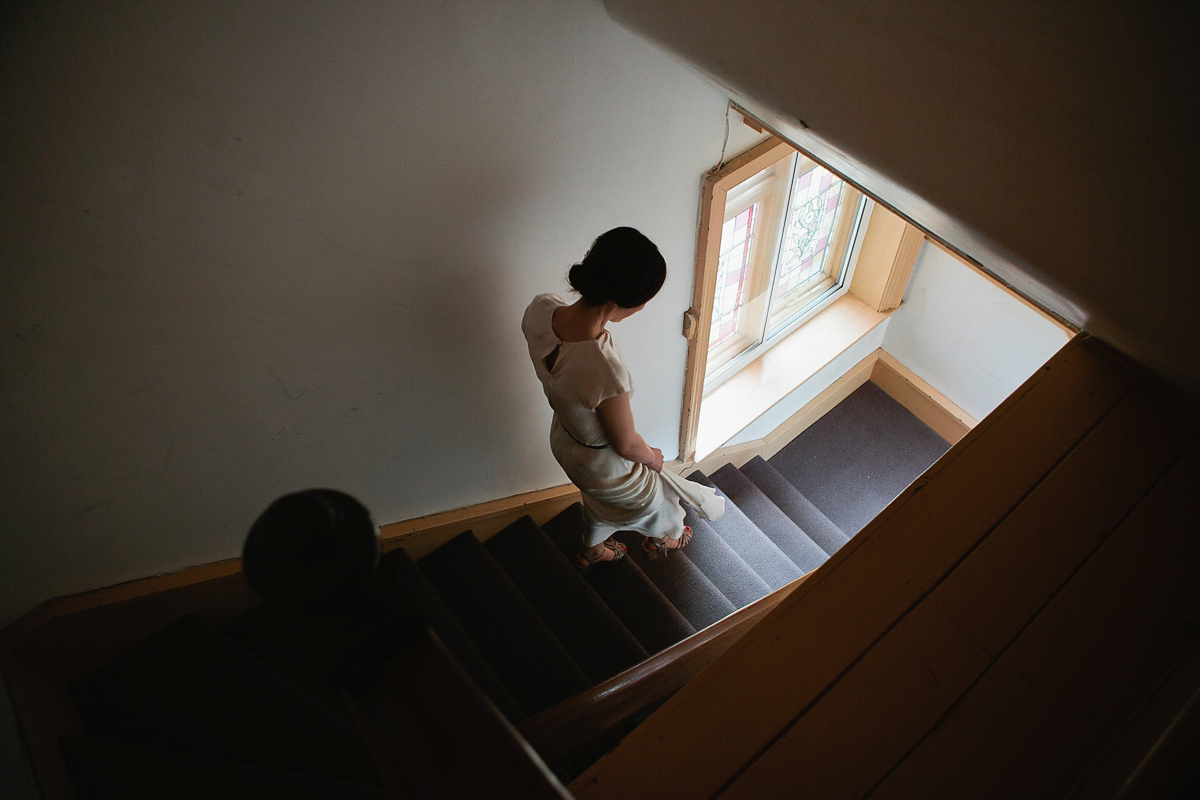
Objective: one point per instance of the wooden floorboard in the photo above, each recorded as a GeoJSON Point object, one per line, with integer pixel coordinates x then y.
{"type": "Point", "coordinates": [833, 619]}
{"type": "Point", "coordinates": [883, 706]}
{"type": "Point", "coordinates": [1038, 717]}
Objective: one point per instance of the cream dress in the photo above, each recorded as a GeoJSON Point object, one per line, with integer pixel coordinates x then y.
{"type": "Point", "coordinates": [618, 494]}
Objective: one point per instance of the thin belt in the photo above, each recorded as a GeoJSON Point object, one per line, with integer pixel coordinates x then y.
{"type": "Point", "coordinates": [576, 441]}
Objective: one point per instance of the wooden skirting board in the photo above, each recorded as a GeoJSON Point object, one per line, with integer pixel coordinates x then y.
{"type": "Point", "coordinates": [881, 368]}
{"type": "Point", "coordinates": [422, 535]}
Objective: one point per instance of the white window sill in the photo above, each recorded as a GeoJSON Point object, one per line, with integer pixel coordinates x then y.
{"type": "Point", "coordinates": [762, 383]}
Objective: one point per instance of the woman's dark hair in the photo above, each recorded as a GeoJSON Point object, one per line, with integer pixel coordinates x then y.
{"type": "Point", "coordinates": [623, 266]}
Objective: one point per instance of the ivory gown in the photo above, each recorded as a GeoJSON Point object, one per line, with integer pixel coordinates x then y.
{"type": "Point", "coordinates": [618, 494]}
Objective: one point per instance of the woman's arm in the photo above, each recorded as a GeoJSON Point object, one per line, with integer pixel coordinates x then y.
{"type": "Point", "coordinates": [617, 417]}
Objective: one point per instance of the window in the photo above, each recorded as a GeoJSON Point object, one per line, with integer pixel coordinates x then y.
{"type": "Point", "coordinates": [781, 239]}
{"type": "Point", "coordinates": [784, 242]}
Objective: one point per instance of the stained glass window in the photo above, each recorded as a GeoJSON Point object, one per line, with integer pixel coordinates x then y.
{"type": "Point", "coordinates": [732, 266]}
{"type": "Point", "coordinates": [807, 238]}
{"type": "Point", "coordinates": [784, 235]}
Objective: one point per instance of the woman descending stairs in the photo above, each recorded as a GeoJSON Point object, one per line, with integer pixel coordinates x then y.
{"type": "Point", "coordinates": [254, 705]}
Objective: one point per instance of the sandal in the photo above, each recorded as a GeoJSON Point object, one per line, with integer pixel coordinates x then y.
{"type": "Point", "coordinates": [584, 562]}
{"type": "Point", "coordinates": [655, 547]}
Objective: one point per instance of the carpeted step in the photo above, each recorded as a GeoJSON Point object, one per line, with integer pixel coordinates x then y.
{"type": "Point", "coordinates": [722, 565]}
{"type": "Point", "coordinates": [308, 648]}
{"type": "Point", "coordinates": [600, 644]}
{"type": "Point", "coordinates": [750, 543]}
{"type": "Point", "coordinates": [777, 526]}
{"type": "Point", "coordinates": [624, 588]}
{"type": "Point", "coordinates": [852, 462]}
{"type": "Point", "coordinates": [530, 662]}
{"type": "Point", "coordinates": [792, 502]}
{"type": "Point", "coordinates": [688, 589]}
{"type": "Point", "coordinates": [425, 600]}
{"type": "Point", "coordinates": [189, 688]}
{"type": "Point", "coordinates": [102, 769]}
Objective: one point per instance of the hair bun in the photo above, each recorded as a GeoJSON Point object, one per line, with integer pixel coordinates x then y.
{"type": "Point", "coordinates": [622, 266]}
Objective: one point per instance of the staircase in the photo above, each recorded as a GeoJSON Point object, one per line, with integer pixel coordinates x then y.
{"type": "Point", "coordinates": [250, 708]}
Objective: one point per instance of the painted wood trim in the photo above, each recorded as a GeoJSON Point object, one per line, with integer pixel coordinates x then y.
{"type": "Point", "coordinates": [698, 319]}
{"type": "Point", "coordinates": [902, 267]}
{"type": "Point", "coordinates": [925, 402]}
{"type": "Point", "coordinates": [422, 535]}
{"type": "Point", "coordinates": [121, 592]}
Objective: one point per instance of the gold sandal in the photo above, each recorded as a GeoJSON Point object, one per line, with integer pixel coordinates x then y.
{"type": "Point", "coordinates": [655, 547]}
{"type": "Point", "coordinates": [584, 562]}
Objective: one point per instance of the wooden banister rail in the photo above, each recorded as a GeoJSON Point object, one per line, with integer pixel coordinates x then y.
{"type": "Point", "coordinates": [560, 730]}
{"type": "Point", "coordinates": [433, 733]}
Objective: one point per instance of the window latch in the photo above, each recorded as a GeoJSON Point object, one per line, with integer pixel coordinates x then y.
{"type": "Point", "coordinates": [690, 320]}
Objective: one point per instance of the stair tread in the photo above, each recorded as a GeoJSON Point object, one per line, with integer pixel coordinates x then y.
{"type": "Point", "coordinates": [428, 603]}
{"type": "Point", "coordinates": [599, 642]}
{"type": "Point", "coordinates": [306, 649]}
{"type": "Point", "coordinates": [792, 502]}
{"type": "Point", "coordinates": [775, 525]}
{"type": "Point", "coordinates": [102, 769]}
{"type": "Point", "coordinates": [688, 589]}
{"type": "Point", "coordinates": [721, 564]}
{"type": "Point", "coordinates": [522, 651]}
{"type": "Point", "coordinates": [771, 564]}
{"type": "Point", "coordinates": [190, 688]}
{"type": "Point", "coordinates": [624, 588]}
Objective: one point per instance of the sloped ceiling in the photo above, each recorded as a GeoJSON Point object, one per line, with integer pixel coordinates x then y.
{"type": "Point", "coordinates": [1053, 142]}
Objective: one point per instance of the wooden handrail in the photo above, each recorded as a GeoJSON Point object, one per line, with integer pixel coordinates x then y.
{"type": "Point", "coordinates": [560, 730]}
{"type": "Point", "coordinates": [433, 733]}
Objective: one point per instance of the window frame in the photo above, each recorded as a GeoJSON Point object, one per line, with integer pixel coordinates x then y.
{"type": "Point", "coordinates": [879, 283]}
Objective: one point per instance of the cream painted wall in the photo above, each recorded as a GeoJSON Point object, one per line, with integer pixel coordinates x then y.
{"type": "Point", "coordinates": [259, 246]}
{"type": "Point", "coordinates": [967, 337]}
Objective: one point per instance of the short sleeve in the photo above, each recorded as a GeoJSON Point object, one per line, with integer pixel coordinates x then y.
{"type": "Point", "coordinates": [611, 375]}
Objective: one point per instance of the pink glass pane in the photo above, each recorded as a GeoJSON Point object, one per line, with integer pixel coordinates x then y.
{"type": "Point", "coordinates": [737, 235]}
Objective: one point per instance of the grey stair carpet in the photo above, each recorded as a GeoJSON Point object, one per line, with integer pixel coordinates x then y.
{"type": "Point", "coordinates": [688, 589]}
{"type": "Point", "coordinates": [775, 525]}
{"type": "Point", "coordinates": [854, 460]}
{"type": "Point", "coordinates": [750, 543]}
{"type": "Point", "coordinates": [721, 564]}
{"type": "Point", "coordinates": [190, 688]}
{"type": "Point", "coordinates": [424, 599]}
{"type": "Point", "coordinates": [600, 644]}
{"type": "Point", "coordinates": [530, 662]}
{"type": "Point", "coordinates": [624, 588]}
{"type": "Point", "coordinates": [101, 769]}
{"type": "Point", "coordinates": [798, 508]}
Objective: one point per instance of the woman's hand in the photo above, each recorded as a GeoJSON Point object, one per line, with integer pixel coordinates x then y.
{"type": "Point", "coordinates": [616, 415]}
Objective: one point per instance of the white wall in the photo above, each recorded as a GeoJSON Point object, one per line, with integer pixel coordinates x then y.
{"type": "Point", "coordinates": [259, 246]}
{"type": "Point", "coordinates": [1052, 142]}
{"type": "Point", "coordinates": [966, 336]}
